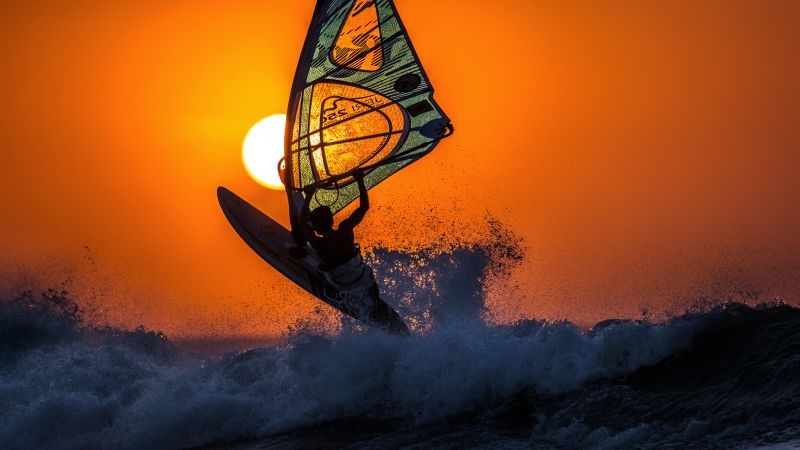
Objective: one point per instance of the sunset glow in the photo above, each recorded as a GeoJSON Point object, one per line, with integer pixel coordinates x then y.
{"type": "Point", "coordinates": [645, 153]}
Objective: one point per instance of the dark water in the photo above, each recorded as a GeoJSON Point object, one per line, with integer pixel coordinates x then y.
{"type": "Point", "coordinates": [727, 377]}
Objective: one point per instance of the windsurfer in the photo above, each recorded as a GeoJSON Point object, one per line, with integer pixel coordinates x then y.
{"type": "Point", "coordinates": [335, 247]}
{"type": "Point", "coordinates": [342, 265]}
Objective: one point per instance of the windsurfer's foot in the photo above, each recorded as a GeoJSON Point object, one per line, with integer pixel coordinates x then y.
{"type": "Point", "coordinates": [298, 252]}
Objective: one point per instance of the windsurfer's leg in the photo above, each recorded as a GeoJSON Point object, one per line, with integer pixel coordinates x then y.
{"type": "Point", "coordinates": [295, 199]}
{"type": "Point", "coordinates": [299, 249]}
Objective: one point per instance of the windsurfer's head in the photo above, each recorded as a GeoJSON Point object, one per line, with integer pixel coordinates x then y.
{"type": "Point", "coordinates": [321, 219]}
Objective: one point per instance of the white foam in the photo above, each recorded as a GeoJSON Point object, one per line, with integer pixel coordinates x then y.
{"type": "Point", "coordinates": [114, 391]}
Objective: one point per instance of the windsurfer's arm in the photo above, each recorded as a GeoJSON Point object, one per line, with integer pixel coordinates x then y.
{"type": "Point", "coordinates": [363, 203]}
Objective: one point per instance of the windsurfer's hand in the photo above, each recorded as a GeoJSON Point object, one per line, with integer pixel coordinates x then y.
{"type": "Point", "coordinates": [308, 190]}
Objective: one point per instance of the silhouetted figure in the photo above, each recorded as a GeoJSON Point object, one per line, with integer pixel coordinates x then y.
{"type": "Point", "coordinates": [341, 259]}
{"type": "Point", "coordinates": [335, 247]}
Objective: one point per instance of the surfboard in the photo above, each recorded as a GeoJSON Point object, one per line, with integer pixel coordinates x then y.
{"type": "Point", "coordinates": [271, 241]}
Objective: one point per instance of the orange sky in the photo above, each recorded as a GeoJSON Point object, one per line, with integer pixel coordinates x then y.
{"type": "Point", "coordinates": [647, 152]}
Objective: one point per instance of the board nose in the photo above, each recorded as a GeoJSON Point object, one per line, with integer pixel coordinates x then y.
{"type": "Point", "coordinates": [223, 192]}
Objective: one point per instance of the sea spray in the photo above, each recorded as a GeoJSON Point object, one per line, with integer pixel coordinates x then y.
{"type": "Point", "coordinates": [65, 384]}
{"type": "Point", "coordinates": [112, 388]}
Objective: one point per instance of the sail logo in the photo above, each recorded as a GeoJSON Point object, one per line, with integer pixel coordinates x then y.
{"type": "Point", "coordinates": [353, 106]}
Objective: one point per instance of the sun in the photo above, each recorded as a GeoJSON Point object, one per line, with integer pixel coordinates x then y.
{"type": "Point", "coordinates": [263, 149]}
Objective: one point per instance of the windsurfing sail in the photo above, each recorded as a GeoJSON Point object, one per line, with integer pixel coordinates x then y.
{"type": "Point", "coordinates": [360, 100]}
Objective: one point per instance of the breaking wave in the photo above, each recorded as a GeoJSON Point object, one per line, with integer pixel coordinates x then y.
{"type": "Point", "coordinates": [727, 376]}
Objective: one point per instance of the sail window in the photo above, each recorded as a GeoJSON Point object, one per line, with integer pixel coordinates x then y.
{"type": "Point", "coordinates": [358, 45]}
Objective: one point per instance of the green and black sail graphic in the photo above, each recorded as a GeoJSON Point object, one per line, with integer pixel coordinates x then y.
{"type": "Point", "coordinates": [360, 100]}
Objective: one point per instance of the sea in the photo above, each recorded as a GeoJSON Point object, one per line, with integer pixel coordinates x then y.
{"type": "Point", "coordinates": [721, 376]}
